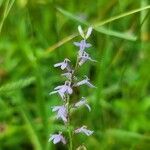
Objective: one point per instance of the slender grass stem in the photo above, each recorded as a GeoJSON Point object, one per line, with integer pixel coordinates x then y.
{"type": "Point", "coordinates": [8, 6]}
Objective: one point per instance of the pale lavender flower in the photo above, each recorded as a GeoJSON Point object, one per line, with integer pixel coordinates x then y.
{"type": "Point", "coordinates": [83, 57]}
{"type": "Point", "coordinates": [85, 81]}
{"type": "Point", "coordinates": [63, 64]}
{"type": "Point", "coordinates": [68, 75]}
{"type": "Point", "coordinates": [85, 36]}
{"type": "Point", "coordinates": [56, 138]}
{"type": "Point", "coordinates": [63, 89]}
{"type": "Point", "coordinates": [61, 112]}
{"type": "Point", "coordinates": [84, 130]}
{"type": "Point", "coordinates": [82, 102]}
{"type": "Point", "coordinates": [82, 45]}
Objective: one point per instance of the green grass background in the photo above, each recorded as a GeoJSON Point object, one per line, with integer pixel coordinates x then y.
{"type": "Point", "coordinates": [35, 34]}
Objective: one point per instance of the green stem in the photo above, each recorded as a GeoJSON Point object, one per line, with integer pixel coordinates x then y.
{"type": "Point", "coordinates": [70, 139]}
{"type": "Point", "coordinates": [68, 109]}
{"type": "Point", "coordinates": [68, 124]}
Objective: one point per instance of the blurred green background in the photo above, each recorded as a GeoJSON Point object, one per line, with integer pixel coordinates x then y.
{"type": "Point", "coordinates": [35, 34]}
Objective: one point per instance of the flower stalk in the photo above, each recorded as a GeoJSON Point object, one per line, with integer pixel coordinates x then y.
{"type": "Point", "coordinates": [65, 90]}
{"type": "Point", "coordinates": [69, 124]}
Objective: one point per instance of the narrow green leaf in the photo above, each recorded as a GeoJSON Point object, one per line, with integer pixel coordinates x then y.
{"type": "Point", "coordinates": [122, 16]}
{"type": "Point", "coordinates": [125, 36]}
{"type": "Point", "coordinates": [103, 30]}
{"type": "Point", "coordinates": [31, 130]}
{"type": "Point", "coordinates": [63, 41]}
{"type": "Point", "coordinates": [7, 8]}
{"type": "Point", "coordinates": [71, 16]}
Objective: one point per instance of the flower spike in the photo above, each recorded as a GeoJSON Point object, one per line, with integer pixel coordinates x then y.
{"type": "Point", "coordinates": [63, 111]}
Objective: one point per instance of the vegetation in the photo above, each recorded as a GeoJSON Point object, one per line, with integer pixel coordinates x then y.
{"type": "Point", "coordinates": [35, 34]}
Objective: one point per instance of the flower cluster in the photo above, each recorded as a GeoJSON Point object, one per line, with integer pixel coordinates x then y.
{"type": "Point", "coordinates": [66, 89]}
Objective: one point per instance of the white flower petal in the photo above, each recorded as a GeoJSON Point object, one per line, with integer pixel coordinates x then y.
{"type": "Point", "coordinates": [92, 59]}
{"type": "Point", "coordinates": [69, 90]}
{"type": "Point", "coordinates": [64, 118]}
{"type": "Point", "coordinates": [88, 45]}
{"type": "Point", "coordinates": [90, 85]}
{"type": "Point", "coordinates": [81, 31]}
{"type": "Point", "coordinates": [63, 140]}
{"type": "Point", "coordinates": [55, 108]}
{"type": "Point", "coordinates": [51, 137]}
{"type": "Point", "coordinates": [88, 32]}
{"type": "Point", "coordinates": [87, 132]}
{"type": "Point", "coordinates": [82, 102]}
{"type": "Point", "coordinates": [80, 83]}
{"type": "Point", "coordinates": [62, 95]}
{"type": "Point", "coordinates": [58, 87]}
{"type": "Point", "coordinates": [84, 130]}
{"type": "Point", "coordinates": [53, 92]}
{"type": "Point", "coordinates": [76, 43]}
{"type": "Point", "coordinates": [58, 64]}
{"type": "Point", "coordinates": [89, 108]}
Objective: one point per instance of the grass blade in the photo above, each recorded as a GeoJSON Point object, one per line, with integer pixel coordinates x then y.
{"type": "Point", "coordinates": [121, 16]}
{"type": "Point", "coordinates": [31, 130]}
{"type": "Point", "coordinates": [63, 41]}
{"type": "Point", "coordinates": [16, 85]}
{"type": "Point", "coordinates": [101, 30]}
{"type": "Point", "coordinates": [8, 6]}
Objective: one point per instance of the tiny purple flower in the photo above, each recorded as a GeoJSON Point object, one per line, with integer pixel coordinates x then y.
{"type": "Point", "coordinates": [56, 138]}
{"type": "Point", "coordinates": [61, 112]}
{"type": "Point", "coordinates": [84, 130]}
{"type": "Point", "coordinates": [82, 102]}
{"type": "Point", "coordinates": [63, 89]}
{"type": "Point", "coordinates": [68, 75]}
{"type": "Point", "coordinates": [82, 45]}
{"type": "Point", "coordinates": [63, 64]}
{"type": "Point", "coordinates": [83, 57]}
{"type": "Point", "coordinates": [85, 81]}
